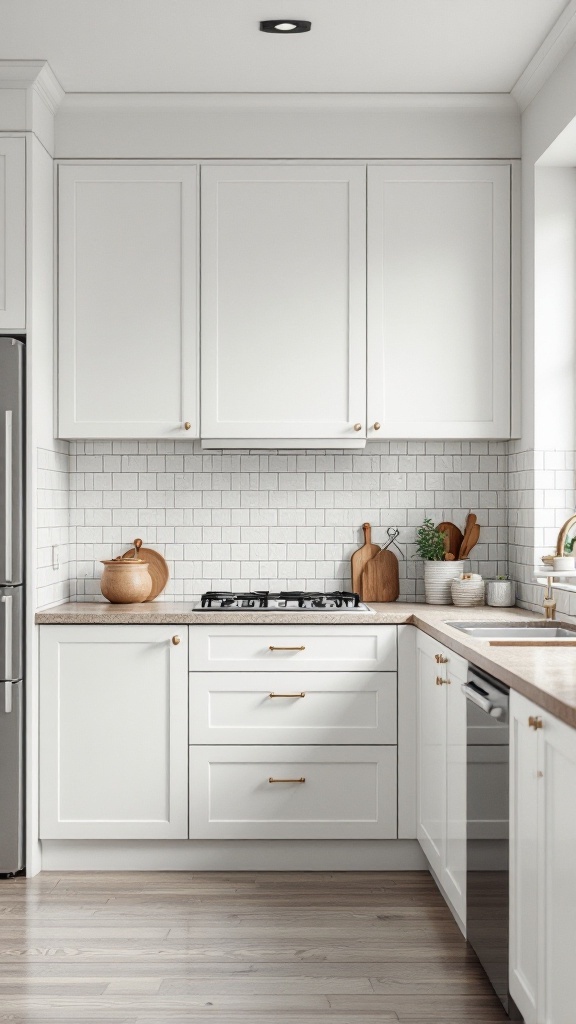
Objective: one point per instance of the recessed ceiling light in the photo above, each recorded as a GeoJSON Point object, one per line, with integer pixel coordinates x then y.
{"type": "Point", "coordinates": [290, 26]}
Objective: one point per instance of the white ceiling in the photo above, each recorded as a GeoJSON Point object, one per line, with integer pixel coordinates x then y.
{"type": "Point", "coordinates": [215, 45]}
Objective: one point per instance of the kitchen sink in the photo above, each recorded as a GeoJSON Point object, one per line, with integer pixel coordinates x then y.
{"type": "Point", "coordinates": [541, 631]}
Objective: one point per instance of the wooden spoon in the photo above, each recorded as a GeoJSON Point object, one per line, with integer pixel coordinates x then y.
{"type": "Point", "coordinates": [137, 546]}
{"type": "Point", "coordinates": [465, 546]}
{"type": "Point", "coordinates": [471, 541]}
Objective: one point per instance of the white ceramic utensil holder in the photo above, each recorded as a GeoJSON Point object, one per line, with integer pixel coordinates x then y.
{"type": "Point", "coordinates": [438, 578]}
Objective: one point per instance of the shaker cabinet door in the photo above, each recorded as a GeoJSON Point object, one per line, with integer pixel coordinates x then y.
{"type": "Point", "coordinates": [113, 733]}
{"type": "Point", "coordinates": [439, 301]}
{"type": "Point", "coordinates": [127, 308]}
{"type": "Point", "coordinates": [283, 302]}
{"type": "Point", "coordinates": [12, 234]}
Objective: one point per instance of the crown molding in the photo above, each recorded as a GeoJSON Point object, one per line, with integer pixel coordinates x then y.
{"type": "Point", "coordinates": [30, 95]}
{"type": "Point", "coordinates": [48, 88]}
{"type": "Point", "coordinates": [550, 53]}
{"type": "Point", "coordinates": [127, 102]}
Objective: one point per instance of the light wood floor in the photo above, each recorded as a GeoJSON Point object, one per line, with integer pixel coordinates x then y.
{"type": "Point", "coordinates": [236, 948]}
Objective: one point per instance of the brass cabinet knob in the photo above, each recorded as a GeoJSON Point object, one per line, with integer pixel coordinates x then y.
{"type": "Point", "coordinates": [440, 659]}
{"type": "Point", "coordinates": [439, 681]}
{"type": "Point", "coordinates": [175, 640]}
{"type": "Point", "coordinates": [357, 426]}
{"type": "Point", "coordinates": [377, 426]}
{"type": "Point", "coordinates": [187, 425]}
{"type": "Point", "coordinates": [535, 722]}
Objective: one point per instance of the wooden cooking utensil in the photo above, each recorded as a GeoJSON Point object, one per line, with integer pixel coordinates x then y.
{"type": "Point", "coordinates": [157, 567]}
{"type": "Point", "coordinates": [471, 541]}
{"type": "Point", "coordinates": [455, 538]}
{"type": "Point", "coordinates": [470, 522]}
{"type": "Point", "coordinates": [380, 580]}
{"type": "Point", "coordinates": [361, 557]}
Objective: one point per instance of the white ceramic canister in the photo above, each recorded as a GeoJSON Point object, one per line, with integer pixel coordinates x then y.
{"type": "Point", "coordinates": [500, 593]}
{"type": "Point", "coordinates": [438, 578]}
{"type": "Point", "coordinates": [468, 591]}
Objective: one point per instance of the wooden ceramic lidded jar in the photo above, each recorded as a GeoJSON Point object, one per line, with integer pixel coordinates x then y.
{"type": "Point", "coordinates": [126, 580]}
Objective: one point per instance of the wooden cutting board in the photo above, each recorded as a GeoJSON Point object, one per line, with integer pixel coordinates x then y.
{"type": "Point", "coordinates": [455, 537]}
{"type": "Point", "coordinates": [361, 557]}
{"type": "Point", "coordinates": [380, 578]}
{"type": "Point", "coordinates": [157, 567]}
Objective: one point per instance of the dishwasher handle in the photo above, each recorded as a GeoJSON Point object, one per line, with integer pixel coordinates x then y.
{"type": "Point", "coordinates": [482, 702]}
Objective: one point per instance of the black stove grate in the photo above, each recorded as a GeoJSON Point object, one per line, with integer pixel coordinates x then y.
{"type": "Point", "coordinates": [223, 599]}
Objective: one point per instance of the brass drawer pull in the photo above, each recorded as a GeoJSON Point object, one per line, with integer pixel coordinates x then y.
{"type": "Point", "coordinates": [535, 722]}
{"type": "Point", "coordinates": [302, 648]}
{"type": "Point", "coordinates": [440, 681]}
{"type": "Point", "coordinates": [286, 694]}
{"type": "Point", "coordinates": [440, 659]}
{"type": "Point", "coordinates": [286, 780]}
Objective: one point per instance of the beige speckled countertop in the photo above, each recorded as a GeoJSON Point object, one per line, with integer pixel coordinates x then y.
{"type": "Point", "coordinates": [545, 675]}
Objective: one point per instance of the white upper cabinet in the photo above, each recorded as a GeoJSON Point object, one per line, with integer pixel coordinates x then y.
{"type": "Point", "coordinates": [283, 303]}
{"type": "Point", "coordinates": [128, 307]}
{"type": "Point", "coordinates": [439, 301]}
{"type": "Point", "coordinates": [12, 234]}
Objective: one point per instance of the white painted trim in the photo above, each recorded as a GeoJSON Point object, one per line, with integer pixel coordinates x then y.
{"type": "Point", "coordinates": [260, 126]}
{"type": "Point", "coordinates": [515, 299]}
{"type": "Point", "coordinates": [80, 102]}
{"type": "Point", "coordinates": [550, 53]}
{"type": "Point", "coordinates": [233, 855]}
{"type": "Point", "coordinates": [30, 95]}
{"type": "Point", "coordinates": [407, 732]}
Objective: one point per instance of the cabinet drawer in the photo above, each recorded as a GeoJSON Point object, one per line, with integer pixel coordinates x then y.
{"type": "Point", "coordinates": [297, 707]}
{"type": "Point", "coordinates": [238, 648]}
{"type": "Point", "coordinates": [348, 792]}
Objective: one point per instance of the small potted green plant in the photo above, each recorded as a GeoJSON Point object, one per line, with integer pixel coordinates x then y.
{"type": "Point", "coordinates": [438, 573]}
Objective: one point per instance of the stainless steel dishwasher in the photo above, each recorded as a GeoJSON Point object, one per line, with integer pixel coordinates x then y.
{"type": "Point", "coordinates": [487, 740]}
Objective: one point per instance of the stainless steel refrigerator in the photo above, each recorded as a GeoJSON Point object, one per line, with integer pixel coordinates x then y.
{"type": "Point", "coordinates": [12, 361]}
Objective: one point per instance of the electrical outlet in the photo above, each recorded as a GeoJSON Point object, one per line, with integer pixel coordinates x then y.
{"type": "Point", "coordinates": [55, 556]}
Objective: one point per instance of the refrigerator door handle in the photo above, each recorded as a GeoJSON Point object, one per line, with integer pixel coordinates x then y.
{"type": "Point", "coordinates": [8, 492]}
{"type": "Point", "coordinates": [7, 602]}
{"type": "Point", "coordinates": [7, 697]}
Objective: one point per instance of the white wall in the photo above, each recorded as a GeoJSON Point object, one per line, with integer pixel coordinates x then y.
{"type": "Point", "coordinates": [542, 493]}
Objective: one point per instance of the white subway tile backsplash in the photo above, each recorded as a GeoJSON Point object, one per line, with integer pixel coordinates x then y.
{"type": "Point", "coordinates": [267, 519]}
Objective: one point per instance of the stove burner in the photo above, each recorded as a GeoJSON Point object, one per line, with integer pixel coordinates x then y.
{"type": "Point", "coordinates": [227, 599]}
{"type": "Point", "coordinates": [224, 600]}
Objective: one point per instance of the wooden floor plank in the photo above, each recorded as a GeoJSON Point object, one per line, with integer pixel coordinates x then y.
{"type": "Point", "coordinates": [236, 948]}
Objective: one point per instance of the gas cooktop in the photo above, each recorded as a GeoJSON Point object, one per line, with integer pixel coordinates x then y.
{"type": "Point", "coordinates": [284, 600]}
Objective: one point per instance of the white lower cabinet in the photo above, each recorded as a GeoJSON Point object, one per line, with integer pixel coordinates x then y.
{"type": "Point", "coordinates": [293, 792]}
{"type": "Point", "coordinates": [295, 707]}
{"type": "Point", "coordinates": [441, 786]}
{"type": "Point", "coordinates": [313, 708]}
{"type": "Point", "coordinates": [113, 732]}
{"type": "Point", "coordinates": [542, 864]}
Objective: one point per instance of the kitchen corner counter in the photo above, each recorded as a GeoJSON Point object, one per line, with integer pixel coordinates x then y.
{"type": "Point", "coordinates": [546, 676]}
